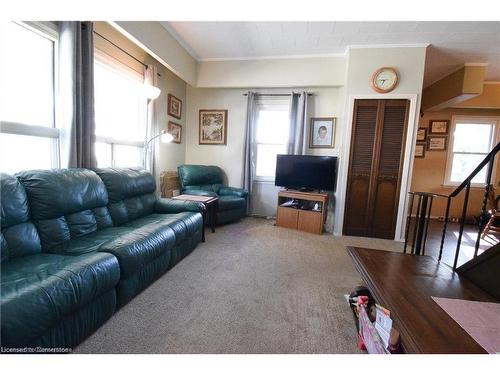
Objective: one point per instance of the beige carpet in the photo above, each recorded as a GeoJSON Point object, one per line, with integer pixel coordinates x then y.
{"type": "Point", "coordinates": [251, 288]}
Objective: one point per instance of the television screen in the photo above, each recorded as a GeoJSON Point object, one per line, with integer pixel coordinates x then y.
{"type": "Point", "coordinates": [306, 172]}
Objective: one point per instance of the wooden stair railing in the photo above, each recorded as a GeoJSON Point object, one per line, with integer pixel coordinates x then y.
{"type": "Point", "coordinates": [424, 206]}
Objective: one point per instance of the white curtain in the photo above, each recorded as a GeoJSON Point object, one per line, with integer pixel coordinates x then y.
{"type": "Point", "coordinates": [299, 107]}
{"type": "Point", "coordinates": [152, 153]}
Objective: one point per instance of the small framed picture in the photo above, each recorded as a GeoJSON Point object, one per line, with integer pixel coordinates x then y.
{"type": "Point", "coordinates": [437, 143]}
{"type": "Point", "coordinates": [421, 134]}
{"type": "Point", "coordinates": [322, 132]}
{"type": "Point", "coordinates": [438, 127]}
{"type": "Point", "coordinates": [420, 150]}
{"type": "Point", "coordinates": [176, 131]}
{"type": "Point", "coordinates": [213, 127]}
{"type": "Point", "coordinates": [174, 106]}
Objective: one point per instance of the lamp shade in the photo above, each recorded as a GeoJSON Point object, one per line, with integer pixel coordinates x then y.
{"type": "Point", "coordinates": [166, 138]}
{"type": "Point", "coordinates": [151, 92]}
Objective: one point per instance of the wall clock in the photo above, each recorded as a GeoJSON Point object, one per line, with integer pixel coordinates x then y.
{"type": "Point", "coordinates": [385, 80]}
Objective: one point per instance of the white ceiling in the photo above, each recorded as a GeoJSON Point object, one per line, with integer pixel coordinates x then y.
{"type": "Point", "coordinates": [452, 43]}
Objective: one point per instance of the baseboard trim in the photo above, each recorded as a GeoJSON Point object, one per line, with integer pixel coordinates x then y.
{"type": "Point", "coordinates": [262, 216]}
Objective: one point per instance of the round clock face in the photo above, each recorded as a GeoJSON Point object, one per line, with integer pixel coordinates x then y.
{"type": "Point", "coordinates": [384, 80]}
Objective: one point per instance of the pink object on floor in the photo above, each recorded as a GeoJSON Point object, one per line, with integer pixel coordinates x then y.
{"type": "Point", "coordinates": [481, 320]}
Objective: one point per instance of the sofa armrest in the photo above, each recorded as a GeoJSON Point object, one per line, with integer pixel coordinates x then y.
{"type": "Point", "coordinates": [203, 193]}
{"type": "Point", "coordinates": [174, 206]}
{"type": "Point", "coordinates": [227, 190]}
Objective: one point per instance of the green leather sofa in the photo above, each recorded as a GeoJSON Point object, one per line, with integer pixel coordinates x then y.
{"type": "Point", "coordinates": [77, 244]}
{"type": "Point", "coordinates": [208, 180]}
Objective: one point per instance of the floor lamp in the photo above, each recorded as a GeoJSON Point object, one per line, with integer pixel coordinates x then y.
{"type": "Point", "coordinates": [151, 93]}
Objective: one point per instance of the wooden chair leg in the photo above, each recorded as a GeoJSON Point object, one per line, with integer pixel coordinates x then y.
{"type": "Point", "coordinates": [488, 226]}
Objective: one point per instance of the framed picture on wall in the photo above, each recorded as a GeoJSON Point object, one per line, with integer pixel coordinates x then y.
{"type": "Point", "coordinates": [213, 127]}
{"type": "Point", "coordinates": [176, 131]}
{"type": "Point", "coordinates": [438, 127]}
{"type": "Point", "coordinates": [174, 106]}
{"type": "Point", "coordinates": [421, 134]}
{"type": "Point", "coordinates": [437, 143]}
{"type": "Point", "coordinates": [322, 132]}
{"type": "Point", "coordinates": [420, 150]}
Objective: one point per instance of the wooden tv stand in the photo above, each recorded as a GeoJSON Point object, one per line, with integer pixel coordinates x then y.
{"type": "Point", "coordinates": [302, 218]}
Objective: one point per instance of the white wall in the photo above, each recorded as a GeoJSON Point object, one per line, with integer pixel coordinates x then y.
{"type": "Point", "coordinates": [230, 156]}
{"type": "Point", "coordinates": [289, 72]}
{"type": "Point", "coordinates": [408, 61]}
{"type": "Point", "coordinates": [171, 154]}
{"type": "Point", "coordinates": [326, 102]}
{"type": "Point", "coordinates": [330, 103]}
{"type": "Point", "coordinates": [362, 62]}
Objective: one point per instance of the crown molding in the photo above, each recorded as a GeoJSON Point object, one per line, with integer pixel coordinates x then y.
{"type": "Point", "coordinates": [275, 57]}
{"type": "Point", "coordinates": [318, 55]}
{"type": "Point", "coordinates": [179, 40]}
{"type": "Point", "coordinates": [394, 45]}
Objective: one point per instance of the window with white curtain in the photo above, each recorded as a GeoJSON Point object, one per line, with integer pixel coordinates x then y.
{"type": "Point", "coordinates": [29, 138]}
{"type": "Point", "coordinates": [120, 113]}
{"type": "Point", "coordinates": [471, 139]}
{"type": "Point", "coordinates": [271, 135]}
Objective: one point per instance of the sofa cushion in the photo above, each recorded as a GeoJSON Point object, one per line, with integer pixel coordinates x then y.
{"type": "Point", "coordinates": [199, 175]}
{"type": "Point", "coordinates": [140, 246]}
{"type": "Point", "coordinates": [14, 202]}
{"type": "Point", "coordinates": [18, 234]}
{"type": "Point", "coordinates": [20, 240]}
{"type": "Point", "coordinates": [231, 202]}
{"type": "Point", "coordinates": [228, 190]}
{"type": "Point", "coordinates": [93, 241]}
{"type": "Point", "coordinates": [65, 203]}
{"type": "Point", "coordinates": [4, 249]}
{"type": "Point", "coordinates": [125, 183]}
{"type": "Point", "coordinates": [184, 224]}
{"type": "Point", "coordinates": [39, 291]}
{"type": "Point", "coordinates": [131, 192]}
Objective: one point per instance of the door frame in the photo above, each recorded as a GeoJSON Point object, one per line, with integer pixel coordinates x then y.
{"type": "Point", "coordinates": [408, 159]}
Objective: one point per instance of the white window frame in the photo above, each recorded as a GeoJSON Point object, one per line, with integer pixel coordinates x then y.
{"type": "Point", "coordinates": [449, 159]}
{"type": "Point", "coordinates": [49, 31]}
{"type": "Point", "coordinates": [103, 58]}
{"type": "Point", "coordinates": [262, 103]}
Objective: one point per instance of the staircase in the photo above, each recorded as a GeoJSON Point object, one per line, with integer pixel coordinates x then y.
{"type": "Point", "coordinates": [417, 224]}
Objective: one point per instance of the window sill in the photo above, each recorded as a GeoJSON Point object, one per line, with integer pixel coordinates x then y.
{"type": "Point", "coordinates": [454, 186]}
{"type": "Point", "coordinates": [263, 181]}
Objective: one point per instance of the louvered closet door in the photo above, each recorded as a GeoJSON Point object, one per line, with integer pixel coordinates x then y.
{"type": "Point", "coordinates": [388, 173]}
{"type": "Point", "coordinates": [356, 211]}
{"type": "Point", "coordinates": [377, 146]}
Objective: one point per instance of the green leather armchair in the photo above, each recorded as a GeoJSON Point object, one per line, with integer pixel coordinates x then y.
{"type": "Point", "coordinates": [207, 180]}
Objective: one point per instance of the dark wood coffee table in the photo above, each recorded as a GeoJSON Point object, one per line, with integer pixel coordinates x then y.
{"type": "Point", "coordinates": [404, 284]}
{"type": "Point", "coordinates": [211, 204]}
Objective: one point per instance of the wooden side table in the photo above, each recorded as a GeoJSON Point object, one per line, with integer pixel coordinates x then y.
{"type": "Point", "coordinates": [211, 205]}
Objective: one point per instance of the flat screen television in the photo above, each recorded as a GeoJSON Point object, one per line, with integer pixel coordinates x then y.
{"type": "Point", "coordinates": [306, 172]}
